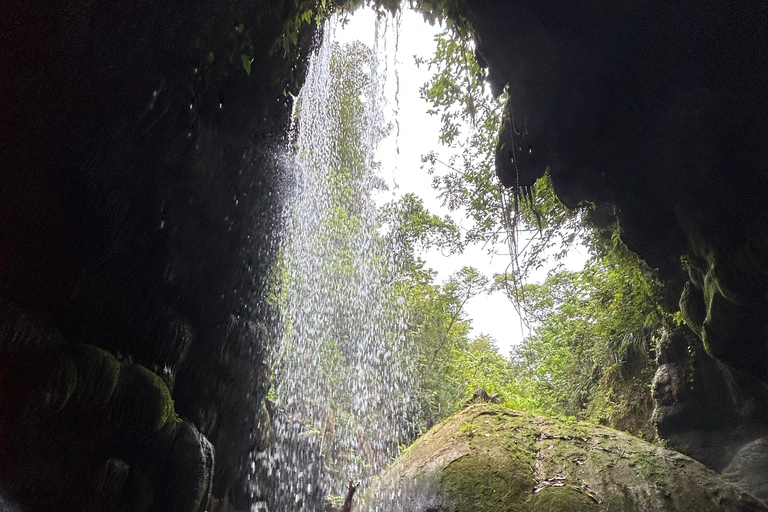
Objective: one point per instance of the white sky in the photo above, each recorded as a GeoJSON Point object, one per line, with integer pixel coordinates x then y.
{"type": "Point", "coordinates": [490, 314]}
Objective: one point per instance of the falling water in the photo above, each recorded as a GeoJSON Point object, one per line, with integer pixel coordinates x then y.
{"type": "Point", "coordinates": [340, 367]}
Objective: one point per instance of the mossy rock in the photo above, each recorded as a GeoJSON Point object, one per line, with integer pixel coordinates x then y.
{"type": "Point", "coordinates": [131, 396]}
{"type": "Point", "coordinates": [488, 458]}
{"type": "Point", "coordinates": [141, 403]}
{"type": "Point", "coordinates": [61, 385]}
{"type": "Point", "coordinates": [566, 497]}
{"type": "Point", "coordinates": [97, 375]}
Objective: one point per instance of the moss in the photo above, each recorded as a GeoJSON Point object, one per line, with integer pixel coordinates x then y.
{"type": "Point", "coordinates": [557, 499]}
{"type": "Point", "coordinates": [141, 403]}
{"type": "Point", "coordinates": [479, 482]}
{"type": "Point", "coordinates": [131, 396]}
{"type": "Point", "coordinates": [469, 429]}
{"type": "Point", "coordinates": [495, 475]}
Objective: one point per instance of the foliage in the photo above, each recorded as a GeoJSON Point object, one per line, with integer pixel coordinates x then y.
{"type": "Point", "coordinates": [307, 12]}
{"type": "Point", "coordinates": [466, 180]}
{"type": "Point", "coordinates": [449, 364]}
{"type": "Point", "coordinates": [591, 353]}
{"type": "Point", "coordinates": [304, 13]}
{"type": "Point", "coordinates": [221, 46]}
{"type": "Point", "coordinates": [418, 230]}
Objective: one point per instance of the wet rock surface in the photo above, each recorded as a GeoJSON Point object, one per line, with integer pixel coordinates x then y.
{"type": "Point", "coordinates": [703, 408]}
{"type": "Point", "coordinates": [138, 202]}
{"type": "Point", "coordinates": [490, 458]}
{"type": "Point", "coordinates": [111, 424]}
{"type": "Point", "coordinates": [749, 468]}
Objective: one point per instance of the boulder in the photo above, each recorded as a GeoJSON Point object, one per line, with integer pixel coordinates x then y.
{"type": "Point", "coordinates": [490, 458]}
{"type": "Point", "coordinates": [749, 468]}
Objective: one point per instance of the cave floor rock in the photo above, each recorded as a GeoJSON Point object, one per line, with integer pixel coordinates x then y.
{"type": "Point", "coordinates": [490, 458]}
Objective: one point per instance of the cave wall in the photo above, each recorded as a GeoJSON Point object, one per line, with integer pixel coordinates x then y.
{"type": "Point", "coordinates": [139, 207]}
{"type": "Point", "coordinates": [657, 109]}
{"type": "Point", "coordinates": [654, 112]}
{"type": "Point", "coordinates": [704, 408]}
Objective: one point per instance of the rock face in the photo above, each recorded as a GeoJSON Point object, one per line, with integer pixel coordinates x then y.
{"type": "Point", "coordinates": [626, 106]}
{"type": "Point", "coordinates": [494, 459]}
{"type": "Point", "coordinates": [703, 408]}
{"type": "Point", "coordinates": [138, 203]}
{"type": "Point", "coordinates": [749, 468]}
{"type": "Point", "coordinates": [111, 422]}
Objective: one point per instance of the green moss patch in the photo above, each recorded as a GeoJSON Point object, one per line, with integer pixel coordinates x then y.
{"type": "Point", "coordinates": [558, 499]}
{"type": "Point", "coordinates": [141, 403]}
{"type": "Point", "coordinates": [481, 482]}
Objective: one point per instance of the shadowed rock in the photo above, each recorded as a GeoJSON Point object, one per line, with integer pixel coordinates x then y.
{"type": "Point", "coordinates": [749, 469]}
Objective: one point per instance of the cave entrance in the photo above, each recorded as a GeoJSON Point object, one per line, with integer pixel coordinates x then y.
{"type": "Point", "coordinates": [404, 261]}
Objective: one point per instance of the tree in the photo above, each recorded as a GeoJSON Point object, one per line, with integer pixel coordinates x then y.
{"type": "Point", "coordinates": [529, 222]}
{"type": "Point", "coordinates": [416, 230]}
{"type": "Point", "coordinates": [435, 328]}
{"type": "Point", "coordinates": [591, 350]}
{"type": "Point", "coordinates": [449, 366]}
{"type": "Point", "coordinates": [591, 353]}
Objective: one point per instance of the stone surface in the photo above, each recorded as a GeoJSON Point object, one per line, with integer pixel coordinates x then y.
{"type": "Point", "coordinates": [749, 469]}
{"type": "Point", "coordinates": [489, 458]}
{"type": "Point", "coordinates": [111, 424]}
{"type": "Point", "coordinates": [139, 231]}
{"type": "Point", "coordinates": [703, 408]}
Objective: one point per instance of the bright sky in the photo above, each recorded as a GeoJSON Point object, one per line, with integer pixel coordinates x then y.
{"type": "Point", "coordinates": [491, 314]}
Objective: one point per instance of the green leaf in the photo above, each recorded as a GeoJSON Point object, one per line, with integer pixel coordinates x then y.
{"type": "Point", "coordinates": [247, 64]}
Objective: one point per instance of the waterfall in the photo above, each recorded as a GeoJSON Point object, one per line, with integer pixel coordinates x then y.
{"type": "Point", "coordinates": [340, 366]}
